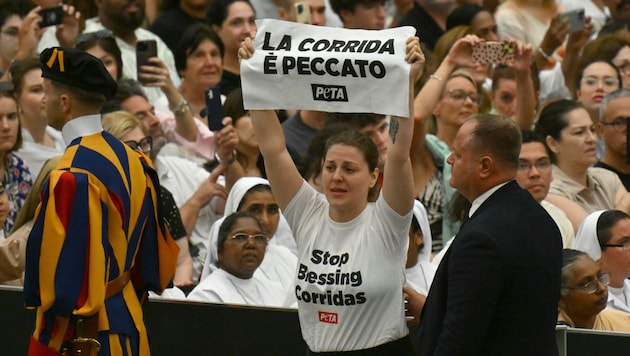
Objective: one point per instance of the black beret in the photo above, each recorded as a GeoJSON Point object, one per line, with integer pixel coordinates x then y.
{"type": "Point", "coordinates": [77, 68]}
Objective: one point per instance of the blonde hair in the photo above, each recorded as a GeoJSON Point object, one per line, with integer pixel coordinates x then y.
{"type": "Point", "coordinates": [120, 123]}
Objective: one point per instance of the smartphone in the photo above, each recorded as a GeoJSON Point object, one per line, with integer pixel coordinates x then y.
{"type": "Point", "coordinates": [214, 108]}
{"type": "Point", "coordinates": [302, 12]}
{"type": "Point", "coordinates": [51, 16]}
{"type": "Point", "coordinates": [576, 19]}
{"type": "Point", "coordinates": [493, 52]}
{"type": "Point", "coordinates": [144, 50]}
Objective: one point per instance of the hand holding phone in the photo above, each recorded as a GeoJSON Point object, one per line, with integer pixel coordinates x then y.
{"type": "Point", "coordinates": [214, 108]}
{"type": "Point", "coordinates": [577, 20]}
{"type": "Point", "coordinates": [144, 50]}
{"type": "Point", "coordinates": [493, 52]}
{"type": "Point", "coordinates": [302, 12]}
{"type": "Point", "coordinates": [51, 16]}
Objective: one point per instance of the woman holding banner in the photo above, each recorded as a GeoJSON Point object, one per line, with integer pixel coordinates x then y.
{"type": "Point", "coordinates": [351, 253]}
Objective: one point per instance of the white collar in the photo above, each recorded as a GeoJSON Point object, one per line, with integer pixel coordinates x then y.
{"type": "Point", "coordinates": [81, 126]}
{"type": "Point", "coordinates": [483, 197]}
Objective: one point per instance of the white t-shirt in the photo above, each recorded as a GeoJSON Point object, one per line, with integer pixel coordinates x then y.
{"type": "Point", "coordinates": [223, 287]}
{"type": "Point", "coordinates": [350, 275]}
{"type": "Point", "coordinates": [182, 178]}
{"type": "Point", "coordinates": [128, 52]}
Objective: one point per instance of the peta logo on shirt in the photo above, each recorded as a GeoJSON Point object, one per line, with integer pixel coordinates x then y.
{"type": "Point", "coordinates": [330, 318]}
{"type": "Point", "coordinates": [329, 92]}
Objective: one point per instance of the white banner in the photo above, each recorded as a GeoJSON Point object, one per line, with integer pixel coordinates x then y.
{"type": "Point", "coordinates": [298, 66]}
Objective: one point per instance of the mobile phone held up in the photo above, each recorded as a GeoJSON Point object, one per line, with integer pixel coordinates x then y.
{"type": "Point", "coordinates": [214, 108]}
{"type": "Point", "coordinates": [144, 50]}
{"type": "Point", "coordinates": [302, 13]}
{"type": "Point", "coordinates": [493, 52]}
{"type": "Point", "coordinates": [576, 18]}
{"type": "Point", "coordinates": [51, 16]}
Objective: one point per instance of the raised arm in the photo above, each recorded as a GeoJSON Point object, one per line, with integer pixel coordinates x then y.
{"type": "Point", "coordinates": [427, 99]}
{"type": "Point", "coordinates": [398, 179]}
{"type": "Point", "coordinates": [284, 178]}
{"type": "Point", "coordinates": [526, 102]}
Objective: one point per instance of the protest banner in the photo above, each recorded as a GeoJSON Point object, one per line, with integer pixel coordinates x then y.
{"type": "Point", "coordinates": [298, 66]}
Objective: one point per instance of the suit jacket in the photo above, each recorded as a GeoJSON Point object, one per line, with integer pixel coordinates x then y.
{"type": "Point", "coordinates": [497, 289]}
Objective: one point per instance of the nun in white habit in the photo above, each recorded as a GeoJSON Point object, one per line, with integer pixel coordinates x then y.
{"type": "Point", "coordinates": [419, 271]}
{"type": "Point", "coordinates": [587, 240]}
{"type": "Point", "coordinates": [279, 263]}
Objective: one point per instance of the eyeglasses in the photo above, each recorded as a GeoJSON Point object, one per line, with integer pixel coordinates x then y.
{"type": "Point", "coordinates": [624, 246]}
{"type": "Point", "coordinates": [242, 238]}
{"type": "Point", "coordinates": [591, 286]}
{"type": "Point", "coordinates": [460, 95]}
{"type": "Point", "coordinates": [541, 165]}
{"type": "Point", "coordinates": [88, 36]}
{"type": "Point", "coordinates": [608, 82]}
{"type": "Point", "coordinates": [143, 146]}
{"type": "Point", "coordinates": [619, 124]}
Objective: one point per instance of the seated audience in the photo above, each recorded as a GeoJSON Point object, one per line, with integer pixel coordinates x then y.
{"type": "Point", "coordinates": [253, 195]}
{"type": "Point", "coordinates": [583, 295]}
{"type": "Point", "coordinates": [577, 187]}
{"type": "Point", "coordinates": [480, 20]}
{"type": "Point", "coordinates": [16, 177]}
{"type": "Point", "coordinates": [534, 174]}
{"type": "Point", "coordinates": [233, 21]}
{"type": "Point", "coordinates": [40, 140]}
{"type": "Point", "coordinates": [247, 151]}
{"type": "Point", "coordinates": [172, 22]}
{"type": "Point", "coordinates": [128, 30]}
{"type": "Point", "coordinates": [419, 271]}
{"type": "Point", "coordinates": [241, 248]}
{"type": "Point", "coordinates": [604, 235]}
{"type": "Point", "coordinates": [612, 128]}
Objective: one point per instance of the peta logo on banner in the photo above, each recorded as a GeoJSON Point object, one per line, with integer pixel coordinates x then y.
{"type": "Point", "coordinates": [330, 318]}
{"type": "Point", "coordinates": [329, 92]}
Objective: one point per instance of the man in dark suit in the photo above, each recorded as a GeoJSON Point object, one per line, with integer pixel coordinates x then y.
{"type": "Point", "coordinates": [496, 291]}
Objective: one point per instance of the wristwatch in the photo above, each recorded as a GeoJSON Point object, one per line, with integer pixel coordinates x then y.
{"type": "Point", "coordinates": [226, 161]}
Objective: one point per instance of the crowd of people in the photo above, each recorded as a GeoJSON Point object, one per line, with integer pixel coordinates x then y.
{"type": "Point", "coordinates": [113, 183]}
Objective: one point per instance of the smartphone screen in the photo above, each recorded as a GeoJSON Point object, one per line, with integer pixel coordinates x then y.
{"type": "Point", "coordinates": [144, 50]}
{"type": "Point", "coordinates": [214, 108]}
{"type": "Point", "coordinates": [51, 16]}
{"type": "Point", "coordinates": [302, 12]}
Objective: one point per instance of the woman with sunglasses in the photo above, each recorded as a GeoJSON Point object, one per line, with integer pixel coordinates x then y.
{"type": "Point", "coordinates": [605, 236]}
{"type": "Point", "coordinates": [583, 295]}
{"type": "Point", "coordinates": [241, 248]}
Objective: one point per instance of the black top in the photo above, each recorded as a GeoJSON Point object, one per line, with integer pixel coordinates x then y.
{"type": "Point", "coordinates": [426, 28]}
{"type": "Point", "coordinates": [625, 178]}
{"type": "Point", "coordinates": [171, 24]}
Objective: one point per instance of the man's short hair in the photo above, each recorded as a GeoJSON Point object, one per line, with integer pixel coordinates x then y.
{"type": "Point", "coordinates": [126, 89]}
{"type": "Point", "coordinates": [86, 98]}
{"type": "Point", "coordinates": [619, 93]}
{"type": "Point", "coordinates": [496, 136]}
{"type": "Point", "coordinates": [350, 5]}
{"type": "Point", "coordinates": [9, 8]}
